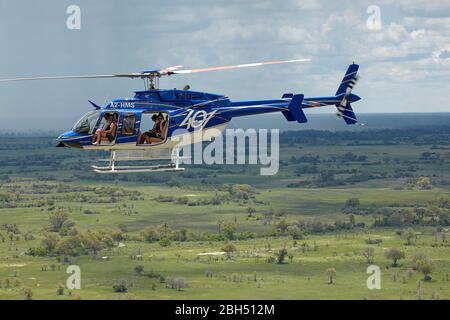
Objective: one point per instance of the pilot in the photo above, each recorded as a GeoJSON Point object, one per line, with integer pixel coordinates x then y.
{"type": "Point", "coordinates": [101, 129]}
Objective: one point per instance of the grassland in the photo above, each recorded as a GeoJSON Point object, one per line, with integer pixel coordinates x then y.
{"type": "Point", "coordinates": [313, 185]}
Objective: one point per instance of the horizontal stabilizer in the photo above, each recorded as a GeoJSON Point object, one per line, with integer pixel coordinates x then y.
{"type": "Point", "coordinates": [295, 108]}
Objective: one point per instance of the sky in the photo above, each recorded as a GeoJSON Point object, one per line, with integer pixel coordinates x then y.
{"type": "Point", "coordinates": [402, 46]}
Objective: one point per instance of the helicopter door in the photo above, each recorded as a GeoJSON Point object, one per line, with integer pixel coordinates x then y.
{"type": "Point", "coordinates": [106, 138]}
{"type": "Point", "coordinates": [153, 128]}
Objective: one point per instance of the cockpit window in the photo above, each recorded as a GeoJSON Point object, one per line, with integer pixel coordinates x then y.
{"type": "Point", "coordinates": [87, 123]}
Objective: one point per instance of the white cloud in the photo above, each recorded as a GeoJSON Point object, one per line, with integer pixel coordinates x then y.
{"type": "Point", "coordinates": [308, 4]}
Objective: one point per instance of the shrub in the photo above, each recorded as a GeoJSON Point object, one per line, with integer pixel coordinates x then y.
{"type": "Point", "coordinates": [373, 241]}
{"type": "Point", "coordinates": [229, 248]}
{"type": "Point", "coordinates": [352, 203]}
{"type": "Point", "coordinates": [37, 252]}
{"type": "Point", "coordinates": [164, 242]}
{"type": "Point", "coordinates": [139, 269]}
{"type": "Point", "coordinates": [331, 273]}
{"type": "Point", "coordinates": [153, 274]}
{"type": "Point", "coordinates": [121, 286]}
{"type": "Point", "coordinates": [60, 290]}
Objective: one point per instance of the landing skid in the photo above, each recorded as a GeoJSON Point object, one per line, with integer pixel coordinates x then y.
{"type": "Point", "coordinates": [173, 166]}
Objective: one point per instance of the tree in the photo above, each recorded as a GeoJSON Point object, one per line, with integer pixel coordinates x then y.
{"type": "Point", "coordinates": [394, 254]}
{"type": "Point", "coordinates": [416, 257]}
{"type": "Point", "coordinates": [178, 284]}
{"type": "Point", "coordinates": [150, 234]}
{"type": "Point", "coordinates": [351, 220]}
{"type": "Point", "coordinates": [117, 235]}
{"type": "Point", "coordinates": [241, 191]}
{"type": "Point", "coordinates": [425, 266]}
{"type": "Point", "coordinates": [229, 248]}
{"type": "Point", "coordinates": [424, 183]}
{"type": "Point", "coordinates": [180, 235]}
{"type": "Point", "coordinates": [219, 225]}
{"type": "Point", "coordinates": [282, 226]}
{"type": "Point", "coordinates": [295, 232]}
{"type": "Point", "coordinates": [92, 243]}
{"type": "Point", "coordinates": [331, 273]}
{"type": "Point", "coordinates": [164, 230]}
{"type": "Point", "coordinates": [408, 235]}
{"type": "Point", "coordinates": [28, 294]}
{"type": "Point", "coordinates": [50, 242]}
{"type": "Point", "coordinates": [251, 211]}
{"type": "Point", "coordinates": [58, 220]}
{"type": "Point", "coordinates": [369, 254]}
{"type": "Point", "coordinates": [228, 229]}
{"type": "Point", "coordinates": [70, 246]}
{"type": "Point", "coordinates": [281, 255]}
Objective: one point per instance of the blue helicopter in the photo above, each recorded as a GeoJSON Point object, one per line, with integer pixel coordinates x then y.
{"type": "Point", "coordinates": [119, 125]}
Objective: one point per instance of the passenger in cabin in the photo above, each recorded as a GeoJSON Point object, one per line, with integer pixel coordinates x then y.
{"type": "Point", "coordinates": [142, 138]}
{"type": "Point", "coordinates": [109, 131]}
{"type": "Point", "coordinates": [160, 130]}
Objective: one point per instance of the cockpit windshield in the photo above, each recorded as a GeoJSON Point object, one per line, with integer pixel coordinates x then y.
{"type": "Point", "coordinates": [87, 123]}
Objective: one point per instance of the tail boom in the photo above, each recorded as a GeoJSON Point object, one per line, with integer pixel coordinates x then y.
{"type": "Point", "coordinates": [292, 105]}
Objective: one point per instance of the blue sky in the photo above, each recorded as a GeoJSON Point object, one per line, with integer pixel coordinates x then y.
{"type": "Point", "coordinates": [405, 65]}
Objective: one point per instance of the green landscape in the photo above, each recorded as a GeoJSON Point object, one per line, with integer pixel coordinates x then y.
{"type": "Point", "coordinates": [342, 201]}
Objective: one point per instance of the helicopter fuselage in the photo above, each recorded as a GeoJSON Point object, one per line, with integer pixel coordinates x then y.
{"type": "Point", "coordinates": [186, 110]}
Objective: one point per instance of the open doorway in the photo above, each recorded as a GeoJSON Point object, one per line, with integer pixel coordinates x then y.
{"type": "Point", "coordinates": [106, 132]}
{"type": "Point", "coordinates": [153, 128]}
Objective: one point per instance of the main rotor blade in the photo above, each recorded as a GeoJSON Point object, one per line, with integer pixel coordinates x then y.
{"type": "Point", "coordinates": [153, 74]}
{"type": "Point", "coordinates": [239, 66]}
{"type": "Point", "coordinates": [169, 69]}
{"type": "Point", "coordinates": [98, 76]}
